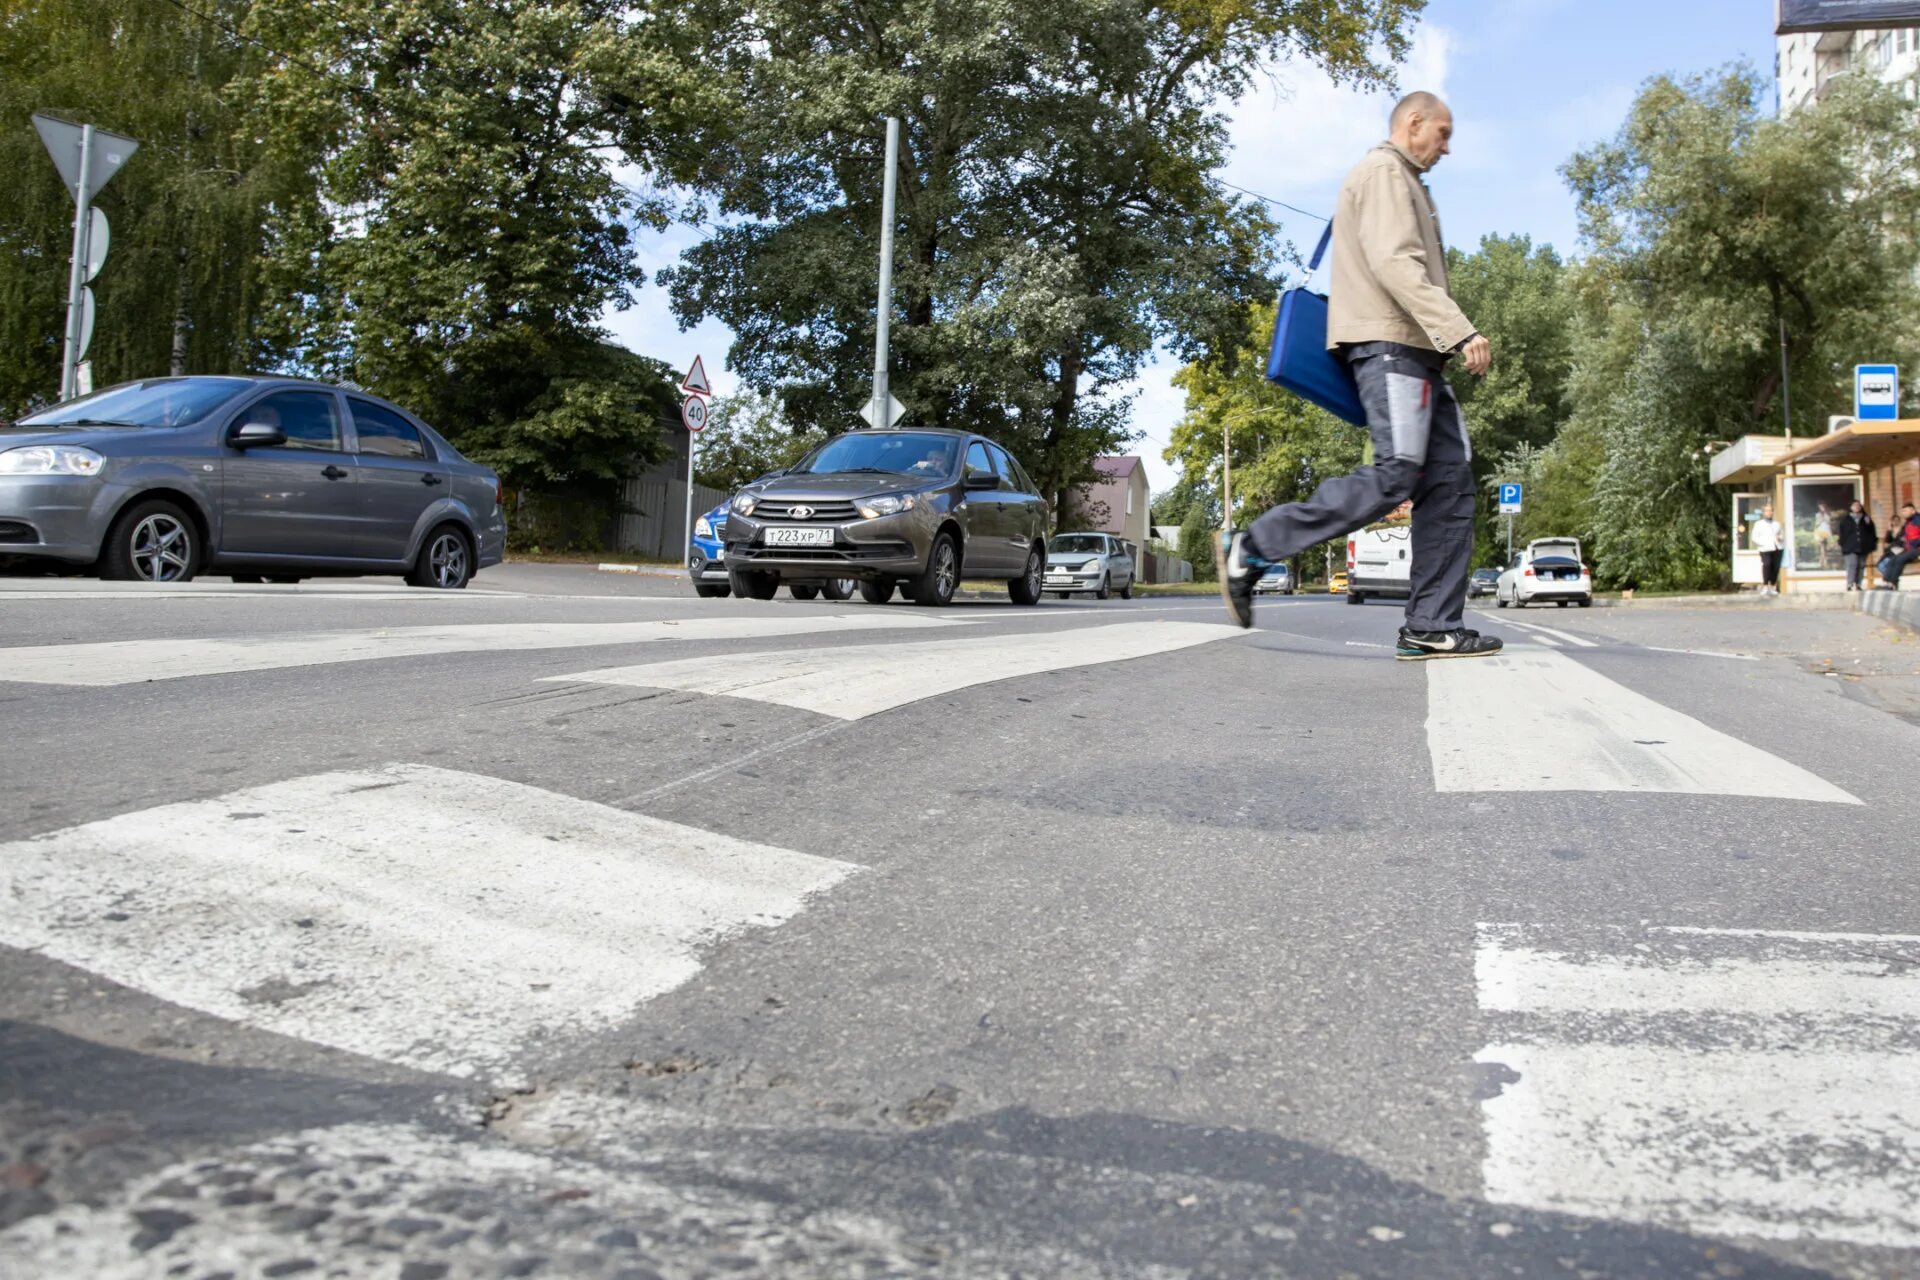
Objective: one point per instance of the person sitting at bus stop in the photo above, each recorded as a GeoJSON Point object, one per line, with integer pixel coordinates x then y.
{"type": "Point", "coordinates": [1909, 535]}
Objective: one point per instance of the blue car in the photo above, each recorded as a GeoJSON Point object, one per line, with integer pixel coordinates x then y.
{"type": "Point", "coordinates": [706, 557]}
{"type": "Point", "coordinates": [707, 564]}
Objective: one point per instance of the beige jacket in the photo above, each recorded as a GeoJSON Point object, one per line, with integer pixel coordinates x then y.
{"type": "Point", "coordinates": [1389, 263]}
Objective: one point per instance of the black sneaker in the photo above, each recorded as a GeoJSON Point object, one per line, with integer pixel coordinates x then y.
{"type": "Point", "coordinates": [1417, 646]}
{"type": "Point", "coordinates": [1238, 569]}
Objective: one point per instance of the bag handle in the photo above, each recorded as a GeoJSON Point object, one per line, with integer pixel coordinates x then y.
{"type": "Point", "coordinates": [1326, 237]}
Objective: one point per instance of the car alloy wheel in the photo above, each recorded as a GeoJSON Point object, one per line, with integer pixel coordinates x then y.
{"type": "Point", "coordinates": [447, 560]}
{"type": "Point", "coordinates": [161, 548]}
{"type": "Point", "coordinates": [1025, 589]}
{"type": "Point", "coordinates": [937, 584]}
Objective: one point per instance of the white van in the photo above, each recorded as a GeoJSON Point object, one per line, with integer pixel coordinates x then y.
{"type": "Point", "coordinates": [1380, 562]}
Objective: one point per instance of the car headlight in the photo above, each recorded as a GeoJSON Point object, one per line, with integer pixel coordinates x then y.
{"type": "Point", "coordinates": [745, 503]}
{"type": "Point", "coordinates": [703, 528]}
{"type": "Point", "coordinates": [50, 460]}
{"type": "Point", "coordinates": [887, 504]}
{"type": "Point", "coordinates": [1090, 568]}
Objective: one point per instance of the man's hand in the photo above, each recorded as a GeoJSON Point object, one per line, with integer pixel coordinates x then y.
{"type": "Point", "coordinates": [1478, 353]}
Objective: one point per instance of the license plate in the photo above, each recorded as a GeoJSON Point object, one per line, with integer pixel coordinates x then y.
{"type": "Point", "coordinates": [799, 537]}
{"type": "Point", "coordinates": [1059, 580]}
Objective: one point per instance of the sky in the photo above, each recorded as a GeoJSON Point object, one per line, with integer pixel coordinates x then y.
{"type": "Point", "coordinates": [1530, 83]}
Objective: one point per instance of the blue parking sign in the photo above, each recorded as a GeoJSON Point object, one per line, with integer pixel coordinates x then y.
{"type": "Point", "coordinates": [1509, 499]}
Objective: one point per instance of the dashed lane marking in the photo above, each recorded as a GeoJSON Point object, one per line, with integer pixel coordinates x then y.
{"type": "Point", "coordinates": [1732, 1082]}
{"type": "Point", "coordinates": [1533, 719]}
{"type": "Point", "coordinates": [855, 681]}
{"type": "Point", "coordinates": [436, 919]}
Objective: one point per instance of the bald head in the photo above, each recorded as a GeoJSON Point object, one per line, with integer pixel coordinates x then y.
{"type": "Point", "coordinates": [1419, 100]}
{"type": "Point", "coordinates": [1422, 126]}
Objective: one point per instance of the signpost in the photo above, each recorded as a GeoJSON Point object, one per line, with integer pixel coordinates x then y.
{"type": "Point", "coordinates": [882, 409]}
{"type": "Point", "coordinates": [693, 412]}
{"type": "Point", "coordinates": [87, 159]}
{"type": "Point", "coordinates": [1876, 392]}
{"type": "Point", "coordinates": [1509, 507]}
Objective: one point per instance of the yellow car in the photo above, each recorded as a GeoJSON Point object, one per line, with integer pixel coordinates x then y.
{"type": "Point", "coordinates": [1337, 584]}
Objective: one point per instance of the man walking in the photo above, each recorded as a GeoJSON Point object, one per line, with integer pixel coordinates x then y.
{"type": "Point", "coordinates": [1858, 538]}
{"type": "Point", "coordinates": [1391, 318]}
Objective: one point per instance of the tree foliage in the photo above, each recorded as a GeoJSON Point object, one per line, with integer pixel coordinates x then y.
{"type": "Point", "coordinates": [1058, 216]}
{"type": "Point", "coordinates": [182, 282]}
{"type": "Point", "coordinates": [745, 439]}
{"type": "Point", "coordinates": [461, 227]}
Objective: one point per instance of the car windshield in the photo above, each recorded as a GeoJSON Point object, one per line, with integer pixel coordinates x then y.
{"type": "Point", "coordinates": [904, 454]}
{"type": "Point", "coordinates": [157, 402]}
{"type": "Point", "coordinates": [1077, 542]}
{"type": "Point", "coordinates": [1276, 571]}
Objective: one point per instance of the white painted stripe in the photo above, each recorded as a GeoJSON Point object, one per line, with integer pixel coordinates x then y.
{"type": "Point", "coordinates": [1774, 1145]}
{"type": "Point", "coordinates": [1536, 720]}
{"type": "Point", "coordinates": [1790, 935]}
{"type": "Point", "coordinates": [437, 919]}
{"type": "Point", "coordinates": [1514, 977]}
{"type": "Point", "coordinates": [117, 662]}
{"type": "Point", "coordinates": [1731, 1081]}
{"type": "Point", "coordinates": [852, 682]}
{"type": "Point", "coordinates": [1566, 636]}
{"type": "Point", "coordinates": [1705, 653]}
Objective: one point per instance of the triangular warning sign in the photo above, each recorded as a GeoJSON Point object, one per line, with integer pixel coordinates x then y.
{"type": "Point", "coordinates": [696, 380]}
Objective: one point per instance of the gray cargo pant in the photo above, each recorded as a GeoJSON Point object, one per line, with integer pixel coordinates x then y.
{"type": "Point", "coordinates": [1421, 452]}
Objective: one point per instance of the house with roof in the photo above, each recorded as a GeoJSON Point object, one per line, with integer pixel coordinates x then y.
{"type": "Point", "coordinates": [1118, 502]}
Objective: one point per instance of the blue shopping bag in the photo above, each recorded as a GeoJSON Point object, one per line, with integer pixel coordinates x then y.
{"type": "Point", "coordinates": [1299, 359]}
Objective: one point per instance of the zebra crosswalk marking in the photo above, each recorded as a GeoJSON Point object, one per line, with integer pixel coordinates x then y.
{"type": "Point", "coordinates": [1534, 719]}
{"type": "Point", "coordinates": [1732, 1082]}
{"type": "Point", "coordinates": [116, 662]}
{"type": "Point", "coordinates": [851, 682]}
{"type": "Point", "coordinates": [422, 916]}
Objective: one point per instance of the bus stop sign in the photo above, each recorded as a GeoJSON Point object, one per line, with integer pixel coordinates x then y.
{"type": "Point", "coordinates": [1876, 392]}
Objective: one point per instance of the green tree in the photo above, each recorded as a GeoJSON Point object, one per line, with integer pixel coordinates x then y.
{"type": "Point", "coordinates": [182, 284]}
{"type": "Point", "coordinates": [464, 227]}
{"type": "Point", "coordinates": [1283, 447]}
{"type": "Point", "coordinates": [745, 439]}
{"type": "Point", "coordinates": [1715, 229]}
{"type": "Point", "coordinates": [1058, 216]}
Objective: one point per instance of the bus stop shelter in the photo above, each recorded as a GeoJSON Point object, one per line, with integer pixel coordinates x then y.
{"type": "Point", "coordinates": [1811, 481]}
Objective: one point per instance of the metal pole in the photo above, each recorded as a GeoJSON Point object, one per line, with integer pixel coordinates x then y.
{"type": "Point", "coordinates": [77, 273]}
{"type": "Point", "coordinates": [1226, 476]}
{"type": "Point", "coordinates": [686, 548]}
{"type": "Point", "coordinates": [882, 394]}
{"type": "Point", "coordinates": [1786, 385]}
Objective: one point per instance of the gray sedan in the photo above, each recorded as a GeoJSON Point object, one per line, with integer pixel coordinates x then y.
{"type": "Point", "coordinates": [271, 478]}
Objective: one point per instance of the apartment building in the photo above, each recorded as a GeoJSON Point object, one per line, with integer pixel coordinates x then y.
{"type": "Point", "coordinates": [1806, 63]}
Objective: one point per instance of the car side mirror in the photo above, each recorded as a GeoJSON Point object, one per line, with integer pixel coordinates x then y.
{"type": "Point", "coordinates": [982, 482]}
{"type": "Point", "coordinates": [257, 435]}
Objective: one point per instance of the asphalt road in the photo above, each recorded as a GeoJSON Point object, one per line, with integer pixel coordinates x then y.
{"type": "Point", "coordinates": [573, 926]}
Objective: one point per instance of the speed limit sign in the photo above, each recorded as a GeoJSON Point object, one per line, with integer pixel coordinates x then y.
{"type": "Point", "coordinates": [693, 412]}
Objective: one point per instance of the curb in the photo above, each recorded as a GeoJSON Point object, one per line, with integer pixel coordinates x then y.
{"type": "Point", "coordinates": [1902, 609]}
{"type": "Point", "coordinates": [645, 570]}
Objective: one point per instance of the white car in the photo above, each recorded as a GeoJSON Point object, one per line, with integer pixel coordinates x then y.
{"type": "Point", "coordinates": [1380, 563]}
{"type": "Point", "coordinates": [1276, 581]}
{"type": "Point", "coordinates": [1549, 571]}
{"type": "Point", "coordinates": [1096, 564]}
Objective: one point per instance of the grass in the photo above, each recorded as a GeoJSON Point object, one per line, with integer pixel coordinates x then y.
{"type": "Point", "coordinates": [537, 556]}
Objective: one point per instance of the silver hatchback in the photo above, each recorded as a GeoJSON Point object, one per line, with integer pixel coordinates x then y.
{"type": "Point", "coordinates": [254, 477]}
{"type": "Point", "coordinates": [1097, 564]}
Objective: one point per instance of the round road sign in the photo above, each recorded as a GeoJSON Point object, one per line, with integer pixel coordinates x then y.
{"type": "Point", "coordinates": [693, 412]}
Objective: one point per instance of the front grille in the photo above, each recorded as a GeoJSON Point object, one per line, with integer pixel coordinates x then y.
{"type": "Point", "coordinates": [823, 512]}
{"type": "Point", "coordinates": [848, 553]}
{"type": "Point", "coordinates": [17, 531]}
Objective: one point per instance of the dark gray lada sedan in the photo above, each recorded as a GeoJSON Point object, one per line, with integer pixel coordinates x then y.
{"type": "Point", "coordinates": [254, 477]}
{"type": "Point", "coordinates": [908, 508]}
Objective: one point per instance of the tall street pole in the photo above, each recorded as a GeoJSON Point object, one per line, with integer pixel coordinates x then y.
{"type": "Point", "coordinates": [1786, 386]}
{"type": "Point", "coordinates": [77, 273]}
{"type": "Point", "coordinates": [882, 393]}
{"type": "Point", "coordinates": [1226, 476]}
